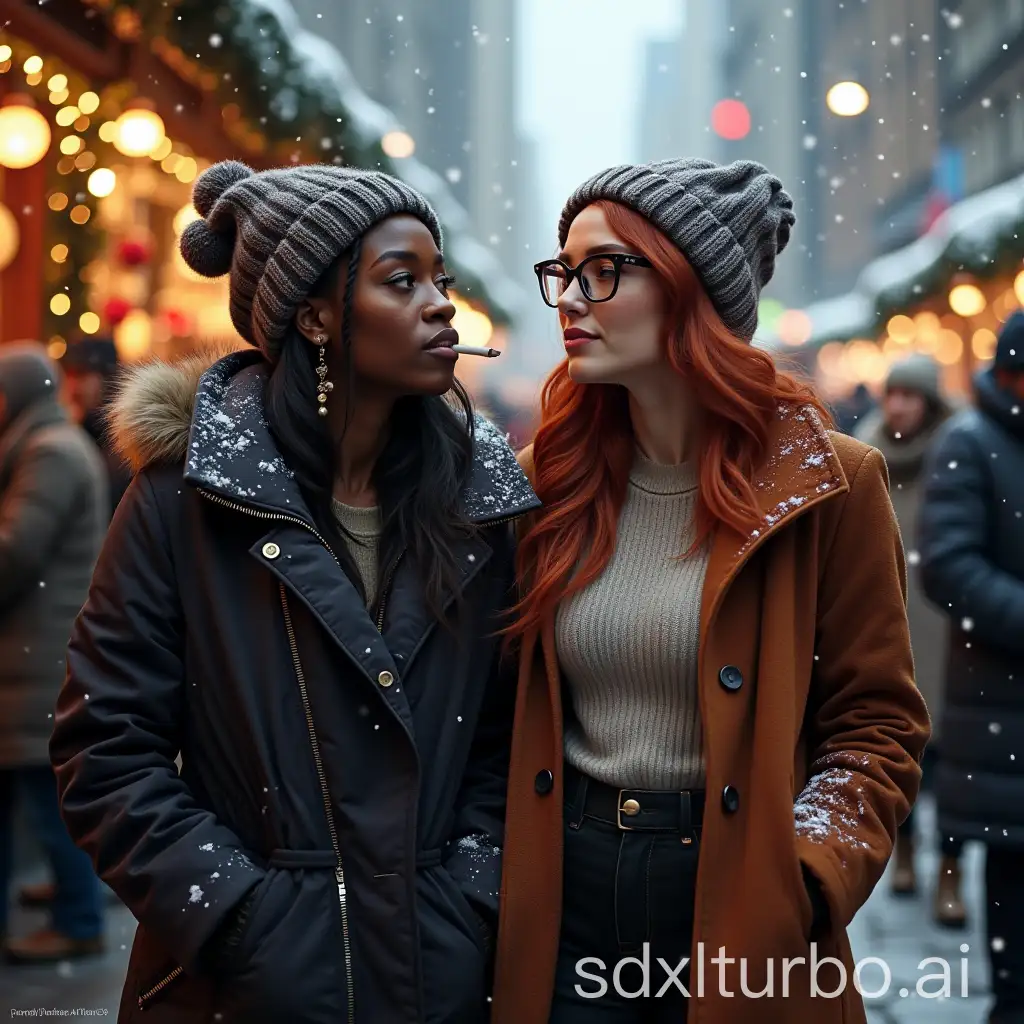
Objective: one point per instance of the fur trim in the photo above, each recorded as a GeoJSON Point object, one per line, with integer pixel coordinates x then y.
{"type": "Point", "coordinates": [150, 416]}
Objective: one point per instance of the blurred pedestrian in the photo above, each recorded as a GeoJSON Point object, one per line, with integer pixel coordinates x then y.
{"type": "Point", "coordinates": [854, 409]}
{"type": "Point", "coordinates": [972, 567]}
{"type": "Point", "coordinates": [913, 409]}
{"type": "Point", "coordinates": [53, 511]}
{"type": "Point", "coordinates": [718, 730]}
{"type": "Point", "coordinates": [299, 595]}
{"type": "Point", "coordinates": [91, 368]}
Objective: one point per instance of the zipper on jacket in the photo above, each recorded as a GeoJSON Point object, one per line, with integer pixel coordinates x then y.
{"type": "Point", "coordinates": [159, 987]}
{"type": "Point", "coordinates": [339, 871]}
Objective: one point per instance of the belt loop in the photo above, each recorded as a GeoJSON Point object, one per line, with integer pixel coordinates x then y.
{"type": "Point", "coordinates": [685, 816]}
{"type": "Point", "coordinates": [579, 803]}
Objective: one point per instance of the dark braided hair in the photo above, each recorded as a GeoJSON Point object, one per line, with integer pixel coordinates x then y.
{"type": "Point", "coordinates": [418, 478]}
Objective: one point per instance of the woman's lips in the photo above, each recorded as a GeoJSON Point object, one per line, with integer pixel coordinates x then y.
{"type": "Point", "coordinates": [575, 338]}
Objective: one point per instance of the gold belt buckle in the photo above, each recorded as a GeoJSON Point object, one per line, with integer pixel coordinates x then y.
{"type": "Point", "coordinates": [631, 807]}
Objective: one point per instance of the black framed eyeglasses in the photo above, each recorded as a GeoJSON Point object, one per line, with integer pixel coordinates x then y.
{"type": "Point", "coordinates": [598, 276]}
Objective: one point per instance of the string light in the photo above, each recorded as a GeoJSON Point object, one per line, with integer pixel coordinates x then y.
{"type": "Point", "coordinates": [33, 65]}
{"type": "Point", "coordinates": [58, 201]}
{"type": "Point", "coordinates": [70, 145]}
{"type": "Point", "coordinates": [58, 83]}
{"type": "Point", "coordinates": [67, 116]}
{"type": "Point", "coordinates": [80, 214]}
{"type": "Point", "coordinates": [60, 304]}
{"type": "Point", "coordinates": [59, 253]}
{"type": "Point", "coordinates": [5, 53]}
{"type": "Point", "coordinates": [89, 322]}
{"type": "Point", "coordinates": [102, 182]}
{"type": "Point", "coordinates": [88, 103]}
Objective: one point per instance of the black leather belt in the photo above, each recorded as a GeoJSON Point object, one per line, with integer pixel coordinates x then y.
{"type": "Point", "coordinates": [634, 810]}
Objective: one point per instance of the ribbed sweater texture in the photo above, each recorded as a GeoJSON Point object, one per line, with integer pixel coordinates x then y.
{"type": "Point", "coordinates": [364, 525]}
{"type": "Point", "coordinates": [628, 643]}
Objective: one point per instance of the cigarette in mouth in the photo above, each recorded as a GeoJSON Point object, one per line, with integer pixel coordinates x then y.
{"type": "Point", "coordinates": [472, 350]}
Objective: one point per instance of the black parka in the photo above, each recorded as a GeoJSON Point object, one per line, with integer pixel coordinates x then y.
{"type": "Point", "coordinates": [354, 774]}
{"type": "Point", "coordinates": [971, 543]}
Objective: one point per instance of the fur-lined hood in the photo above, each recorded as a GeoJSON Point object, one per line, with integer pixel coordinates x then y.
{"type": "Point", "coordinates": [206, 412]}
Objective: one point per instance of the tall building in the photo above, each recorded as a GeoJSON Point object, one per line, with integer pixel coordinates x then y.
{"type": "Point", "coordinates": [765, 58]}
{"type": "Point", "coordinates": [981, 84]}
{"type": "Point", "coordinates": [877, 183]}
{"type": "Point", "coordinates": [447, 71]}
{"type": "Point", "coordinates": [659, 122]}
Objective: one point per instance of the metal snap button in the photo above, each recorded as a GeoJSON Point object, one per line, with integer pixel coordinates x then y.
{"type": "Point", "coordinates": [385, 678]}
{"type": "Point", "coordinates": [271, 550]}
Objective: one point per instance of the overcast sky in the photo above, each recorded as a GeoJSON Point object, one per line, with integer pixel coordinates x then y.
{"type": "Point", "coordinates": [569, 50]}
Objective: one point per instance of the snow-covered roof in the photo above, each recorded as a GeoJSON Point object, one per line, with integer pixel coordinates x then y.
{"type": "Point", "coordinates": [965, 235]}
{"type": "Point", "coordinates": [325, 70]}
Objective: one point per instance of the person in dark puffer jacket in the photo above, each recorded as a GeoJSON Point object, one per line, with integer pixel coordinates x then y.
{"type": "Point", "coordinates": [299, 598]}
{"type": "Point", "coordinates": [971, 542]}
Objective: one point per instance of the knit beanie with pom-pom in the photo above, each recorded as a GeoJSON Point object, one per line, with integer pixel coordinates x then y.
{"type": "Point", "coordinates": [277, 232]}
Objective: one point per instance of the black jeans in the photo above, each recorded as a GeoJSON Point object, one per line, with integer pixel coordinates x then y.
{"type": "Point", "coordinates": [622, 890]}
{"type": "Point", "coordinates": [1004, 910]}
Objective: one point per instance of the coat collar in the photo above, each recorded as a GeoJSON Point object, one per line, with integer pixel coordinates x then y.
{"type": "Point", "coordinates": [231, 452]}
{"type": "Point", "coordinates": [801, 470]}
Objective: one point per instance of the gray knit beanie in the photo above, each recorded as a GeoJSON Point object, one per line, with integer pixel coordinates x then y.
{"type": "Point", "coordinates": [730, 222]}
{"type": "Point", "coordinates": [278, 231]}
{"type": "Point", "coordinates": [917, 372]}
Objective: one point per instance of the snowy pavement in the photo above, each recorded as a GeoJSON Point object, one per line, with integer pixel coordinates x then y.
{"type": "Point", "coordinates": [900, 932]}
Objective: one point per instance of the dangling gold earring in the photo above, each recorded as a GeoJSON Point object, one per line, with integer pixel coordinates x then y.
{"type": "Point", "coordinates": [321, 371]}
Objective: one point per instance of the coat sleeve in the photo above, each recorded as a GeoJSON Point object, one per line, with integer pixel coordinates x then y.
{"type": "Point", "coordinates": [473, 856]}
{"type": "Point", "coordinates": [118, 728]}
{"type": "Point", "coordinates": [957, 574]}
{"type": "Point", "coordinates": [866, 722]}
{"type": "Point", "coordinates": [34, 509]}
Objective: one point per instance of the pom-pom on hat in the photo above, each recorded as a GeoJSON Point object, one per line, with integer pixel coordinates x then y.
{"type": "Point", "coordinates": [277, 232]}
{"type": "Point", "coordinates": [729, 221]}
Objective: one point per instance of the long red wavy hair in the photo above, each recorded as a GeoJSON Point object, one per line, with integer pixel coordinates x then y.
{"type": "Point", "coordinates": [583, 450]}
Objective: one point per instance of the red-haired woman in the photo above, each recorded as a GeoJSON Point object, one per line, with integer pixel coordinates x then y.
{"type": "Point", "coordinates": [717, 729]}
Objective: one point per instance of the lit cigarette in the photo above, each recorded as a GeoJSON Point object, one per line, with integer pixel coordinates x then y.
{"type": "Point", "coordinates": [472, 350]}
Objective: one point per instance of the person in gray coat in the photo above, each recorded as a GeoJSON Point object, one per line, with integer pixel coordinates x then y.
{"type": "Point", "coordinates": [904, 428]}
{"type": "Point", "coordinates": [53, 516]}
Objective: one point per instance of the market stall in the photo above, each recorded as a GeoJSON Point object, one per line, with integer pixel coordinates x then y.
{"type": "Point", "coordinates": [109, 111]}
{"type": "Point", "coordinates": [946, 294]}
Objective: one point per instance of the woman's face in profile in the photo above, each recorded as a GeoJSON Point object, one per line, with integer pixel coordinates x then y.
{"type": "Point", "coordinates": [401, 332]}
{"type": "Point", "coordinates": [610, 342]}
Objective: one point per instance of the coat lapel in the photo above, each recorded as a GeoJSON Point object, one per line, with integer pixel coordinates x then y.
{"type": "Point", "coordinates": [802, 469]}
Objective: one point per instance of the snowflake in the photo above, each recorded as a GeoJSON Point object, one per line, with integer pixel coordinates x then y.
{"type": "Point", "coordinates": [967, 625]}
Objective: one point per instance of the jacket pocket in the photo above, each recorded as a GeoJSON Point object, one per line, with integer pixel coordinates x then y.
{"type": "Point", "coordinates": [453, 952]}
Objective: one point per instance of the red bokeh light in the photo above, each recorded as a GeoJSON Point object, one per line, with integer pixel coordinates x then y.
{"type": "Point", "coordinates": [730, 119]}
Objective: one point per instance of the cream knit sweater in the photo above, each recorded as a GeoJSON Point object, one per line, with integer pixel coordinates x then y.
{"type": "Point", "coordinates": [364, 525]}
{"type": "Point", "coordinates": [628, 643]}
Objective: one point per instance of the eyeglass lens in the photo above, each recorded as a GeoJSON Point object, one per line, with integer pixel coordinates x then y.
{"type": "Point", "coordinates": [597, 280]}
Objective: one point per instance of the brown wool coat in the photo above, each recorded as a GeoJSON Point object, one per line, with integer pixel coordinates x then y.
{"type": "Point", "coordinates": [822, 740]}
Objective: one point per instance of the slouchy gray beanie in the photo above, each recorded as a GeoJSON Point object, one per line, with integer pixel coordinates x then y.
{"type": "Point", "coordinates": [730, 222]}
{"type": "Point", "coordinates": [277, 232]}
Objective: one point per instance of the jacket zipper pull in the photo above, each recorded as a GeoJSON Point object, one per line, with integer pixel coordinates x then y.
{"type": "Point", "coordinates": [340, 876]}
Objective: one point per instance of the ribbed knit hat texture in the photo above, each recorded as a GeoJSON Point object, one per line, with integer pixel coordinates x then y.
{"type": "Point", "coordinates": [729, 221]}
{"type": "Point", "coordinates": [277, 232]}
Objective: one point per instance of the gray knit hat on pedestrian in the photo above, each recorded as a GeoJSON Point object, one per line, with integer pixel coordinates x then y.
{"type": "Point", "coordinates": [277, 232]}
{"type": "Point", "coordinates": [730, 222]}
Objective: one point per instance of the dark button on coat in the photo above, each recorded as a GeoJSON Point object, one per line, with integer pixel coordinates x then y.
{"type": "Point", "coordinates": [366, 819]}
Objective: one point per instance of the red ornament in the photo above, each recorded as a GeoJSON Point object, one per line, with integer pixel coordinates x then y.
{"type": "Point", "coordinates": [179, 323]}
{"type": "Point", "coordinates": [133, 253]}
{"type": "Point", "coordinates": [115, 310]}
{"type": "Point", "coordinates": [730, 119]}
